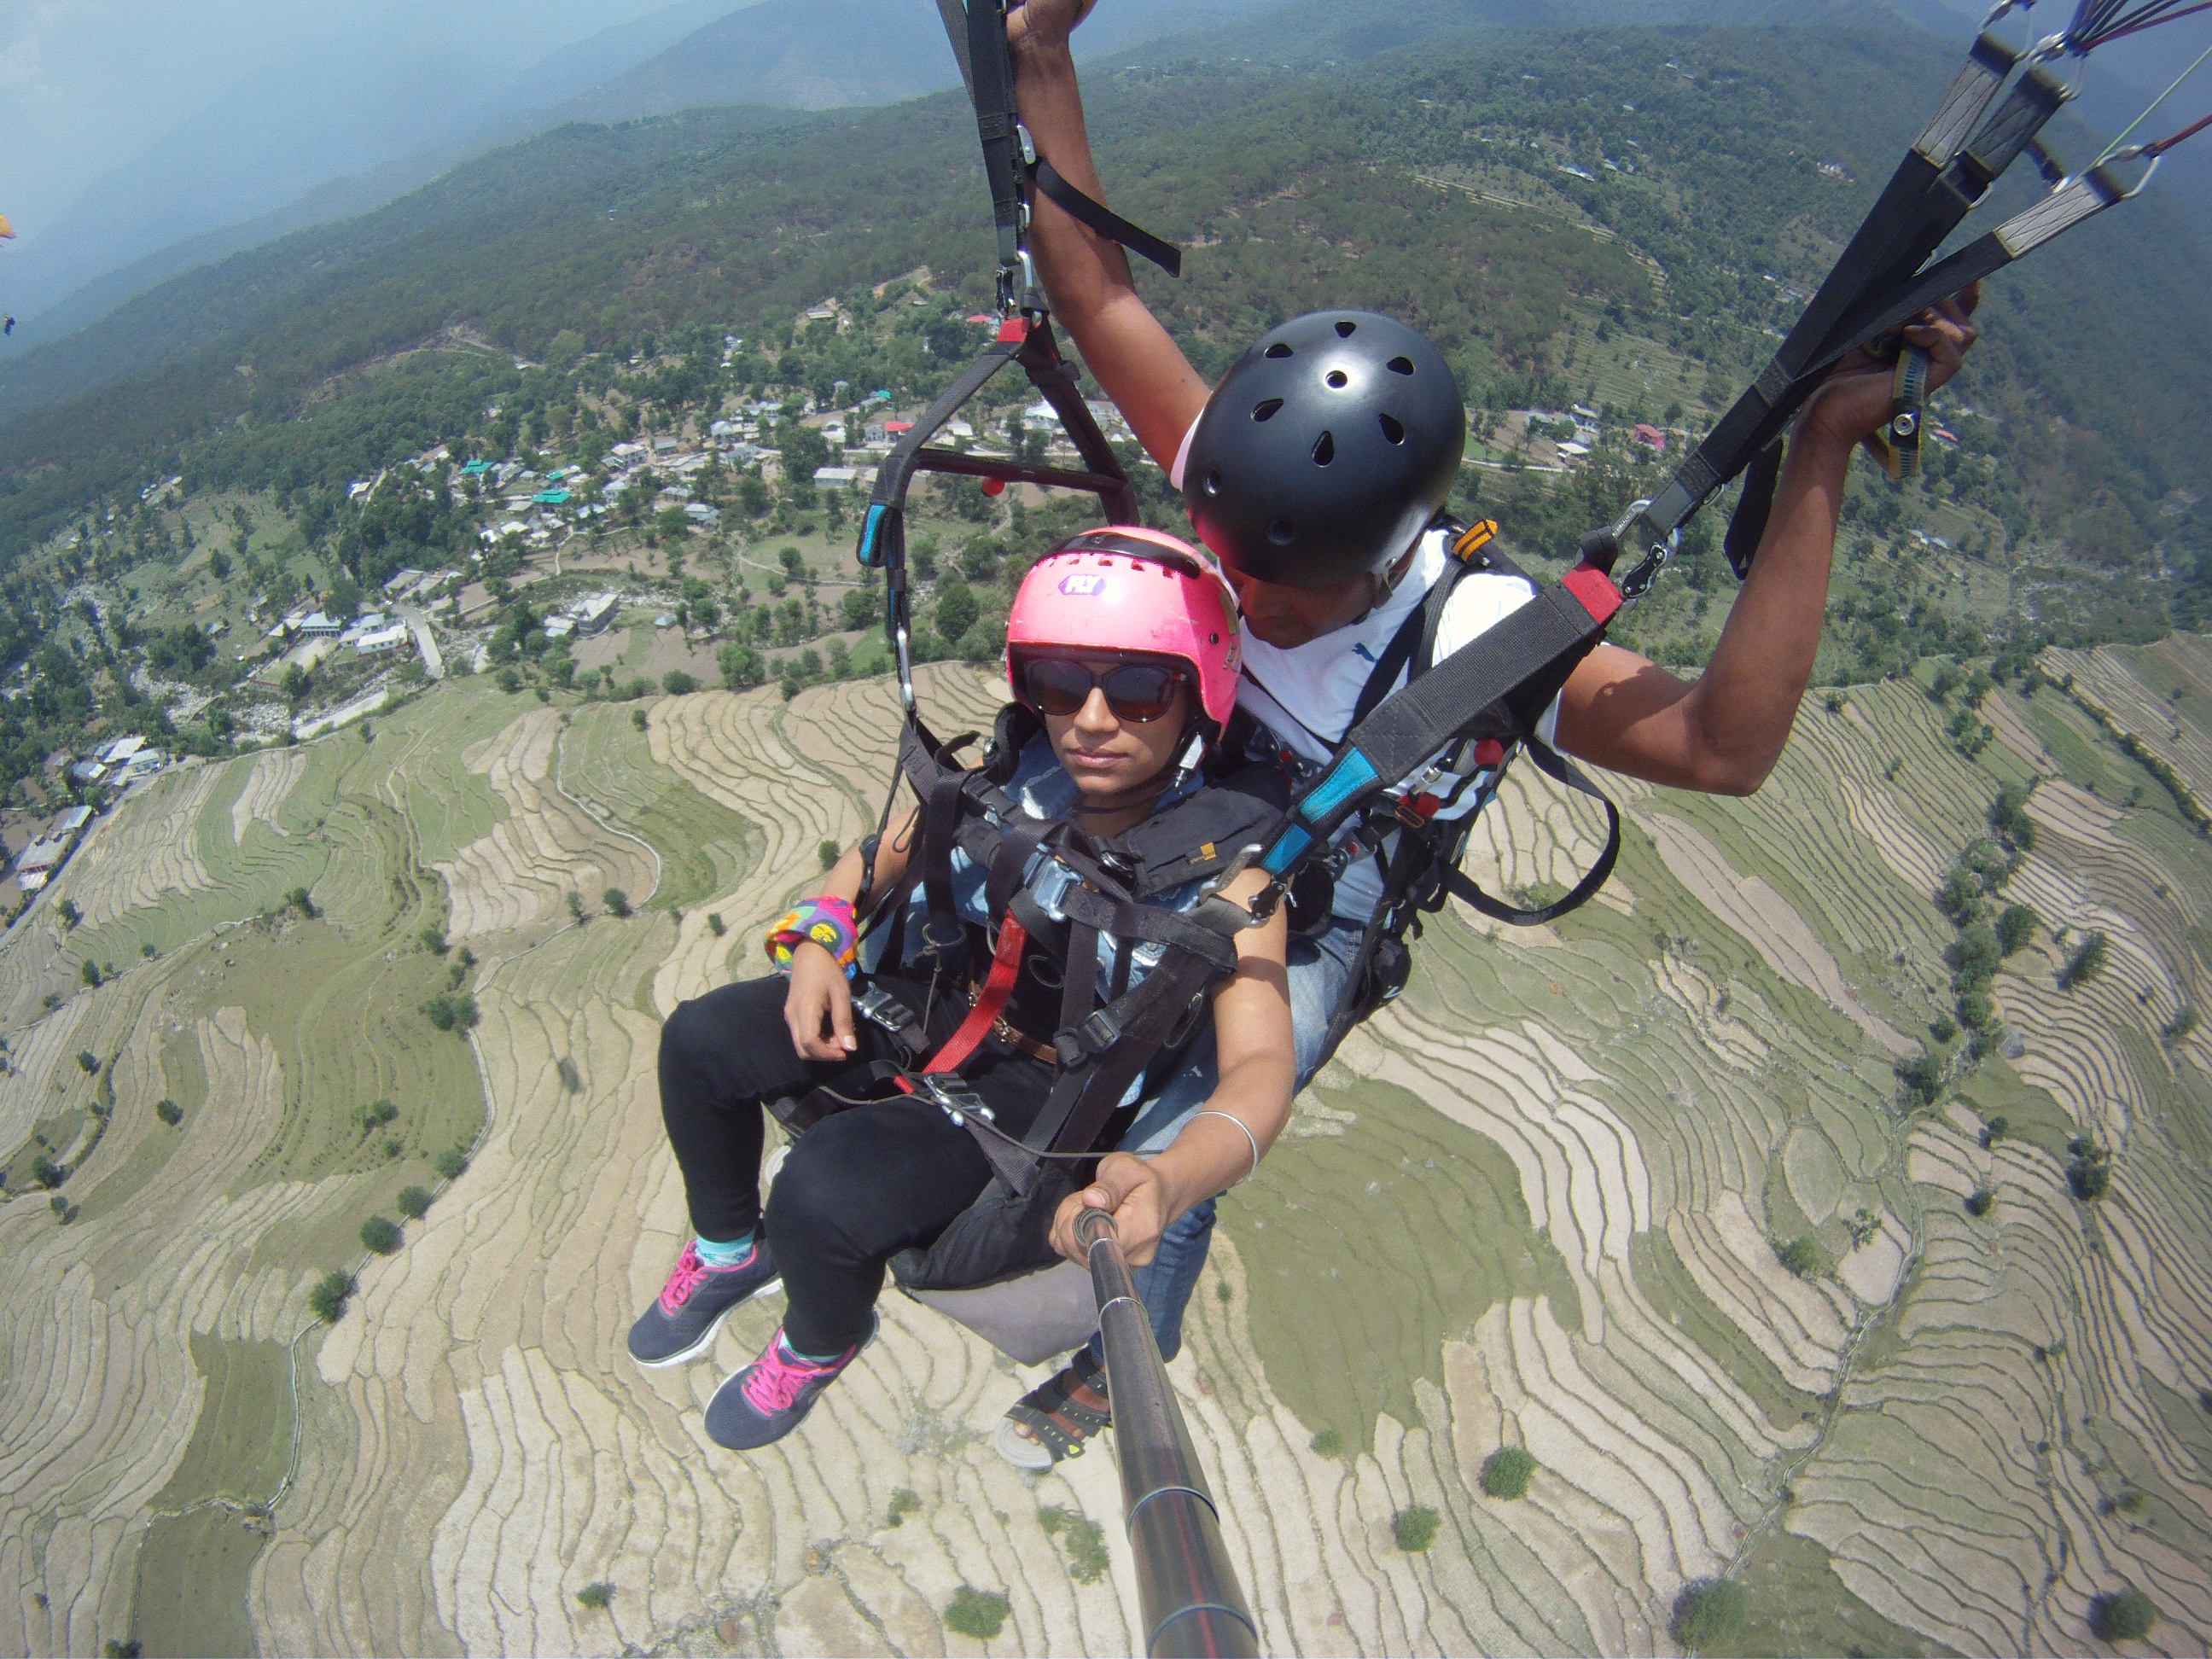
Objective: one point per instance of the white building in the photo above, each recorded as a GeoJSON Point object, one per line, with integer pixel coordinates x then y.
{"type": "Point", "coordinates": [594, 611]}
{"type": "Point", "coordinates": [381, 640]}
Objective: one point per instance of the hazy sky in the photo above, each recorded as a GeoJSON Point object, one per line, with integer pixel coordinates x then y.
{"type": "Point", "coordinates": [86, 85]}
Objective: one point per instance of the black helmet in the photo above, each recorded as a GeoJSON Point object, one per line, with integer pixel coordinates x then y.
{"type": "Point", "coordinates": [1326, 450]}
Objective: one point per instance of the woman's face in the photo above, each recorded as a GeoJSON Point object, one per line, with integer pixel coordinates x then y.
{"type": "Point", "coordinates": [1110, 757]}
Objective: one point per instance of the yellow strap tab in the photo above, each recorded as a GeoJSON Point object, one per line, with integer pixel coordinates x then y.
{"type": "Point", "coordinates": [1474, 539]}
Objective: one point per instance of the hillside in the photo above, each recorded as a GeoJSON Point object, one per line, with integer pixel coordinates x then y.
{"type": "Point", "coordinates": [1546, 1201]}
{"type": "Point", "coordinates": [619, 235]}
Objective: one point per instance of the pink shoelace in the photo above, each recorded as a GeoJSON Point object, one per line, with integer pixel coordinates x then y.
{"type": "Point", "coordinates": [776, 1378]}
{"type": "Point", "coordinates": [690, 1270]}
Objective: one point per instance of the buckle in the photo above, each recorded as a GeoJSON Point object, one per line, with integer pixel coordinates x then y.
{"type": "Point", "coordinates": [1076, 1043]}
{"type": "Point", "coordinates": [949, 1091]}
{"type": "Point", "coordinates": [1414, 811]}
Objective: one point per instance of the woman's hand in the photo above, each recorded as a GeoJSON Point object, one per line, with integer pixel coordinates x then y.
{"type": "Point", "coordinates": [818, 1007]}
{"type": "Point", "coordinates": [1130, 1190]}
{"type": "Point", "coordinates": [1855, 399]}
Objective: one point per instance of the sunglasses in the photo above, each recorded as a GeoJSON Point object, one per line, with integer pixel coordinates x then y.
{"type": "Point", "coordinates": [1139, 692]}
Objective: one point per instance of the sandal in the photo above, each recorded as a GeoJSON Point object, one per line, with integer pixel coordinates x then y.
{"type": "Point", "coordinates": [1051, 1411]}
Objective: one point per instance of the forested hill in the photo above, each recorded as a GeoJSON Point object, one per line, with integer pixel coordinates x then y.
{"type": "Point", "coordinates": [1722, 165]}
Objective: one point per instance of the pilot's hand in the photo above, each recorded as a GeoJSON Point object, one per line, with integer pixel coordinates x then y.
{"type": "Point", "coordinates": [1855, 399]}
{"type": "Point", "coordinates": [1133, 1192]}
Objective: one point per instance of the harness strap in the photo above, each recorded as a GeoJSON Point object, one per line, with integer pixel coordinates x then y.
{"type": "Point", "coordinates": [990, 1002]}
{"type": "Point", "coordinates": [943, 929]}
{"type": "Point", "coordinates": [1103, 220]}
{"type": "Point", "coordinates": [1555, 765]}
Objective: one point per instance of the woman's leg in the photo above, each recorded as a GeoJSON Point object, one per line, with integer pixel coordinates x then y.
{"type": "Point", "coordinates": [858, 1189]}
{"type": "Point", "coordinates": [721, 1055]}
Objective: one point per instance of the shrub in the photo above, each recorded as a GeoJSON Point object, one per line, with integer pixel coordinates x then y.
{"type": "Point", "coordinates": [381, 1234]}
{"type": "Point", "coordinates": [677, 684]}
{"type": "Point", "coordinates": [1943, 1028]}
{"type": "Point", "coordinates": [60, 1206]}
{"type": "Point", "coordinates": [413, 1202]}
{"type": "Point", "coordinates": [2178, 1029]}
{"type": "Point", "coordinates": [2016, 925]}
{"type": "Point", "coordinates": [1802, 1257]}
{"type": "Point", "coordinates": [2008, 815]}
{"type": "Point", "coordinates": [1415, 1530]}
{"type": "Point", "coordinates": [1923, 1078]}
{"type": "Point", "coordinates": [2086, 963]}
{"type": "Point", "coordinates": [433, 939]}
{"type": "Point", "coordinates": [451, 1163]}
{"type": "Point", "coordinates": [2123, 1616]}
{"type": "Point", "coordinates": [904, 1502]}
{"type": "Point", "coordinates": [2090, 1181]}
{"type": "Point", "coordinates": [637, 719]}
{"type": "Point", "coordinates": [509, 681]}
{"type": "Point", "coordinates": [452, 1013]}
{"type": "Point", "coordinates": [170, 1113]}
{"type": "Point", "coordinates": [90, 973]}
{"type": "Point", "coordinates": [46, 1172]}
{"type": "Point", "coordinates": [1999, 1128]}
{"type": "Point", "coordinates": [638, 687]}
{"type": "Point", "coordinates": [375, 1116]}
{"type": "Point", "coordinates": [714, 924]}
{"type": "Point", "coordinates": [70, 914]}
{"type": "Point", "coordinates": [328, 1299]}
{"type": "Point", "coordinates": [1979, 1200]}
{"type": "Point", "coordinates": [1328, 1442]}
{"type": "Point", "coordinates": [300, 900]}
{"type": "Point", "coordinates": [617, 901]}
{"type": "Point", "coordinates": [1506, 1471]}
{"type": "Point", "coordinates": [87, 1061]}
{"type": "Point", "coordinates": [829, 852]}
{"type": "Point", "coordinates": [1087, 1559]}
{"type": "Point", "coordinates": [596, 1596]}
{"type": "Point", "coordinates": [1708, 1613]}
{"type": "Point", "coordinates": [980, 1613]}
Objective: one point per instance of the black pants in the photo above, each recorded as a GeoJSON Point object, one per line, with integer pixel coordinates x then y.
{"type": "Point", "coordinates": [858, 1188]}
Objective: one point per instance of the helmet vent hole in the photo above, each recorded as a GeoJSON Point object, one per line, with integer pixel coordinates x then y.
{"type": "Point", "coordinates": [1392, 429]}
{"type": "Point", "coordinates": [1213, 481]}
{"type": "Point", "coordinates": [1280, 532]}
{"type": "Point", "coordinates": [1338, 379]}
{"type": "Point", "coordinates": [1343, 330]}
{"type": "Point", "coordinates": [1400, 364]}
{"type": "Point", "coordinates": [1278, 349]}
{"type": "Point", "coordinates": [1266, 409]}
{"type": "Point", "coordinates": [1324, 450]}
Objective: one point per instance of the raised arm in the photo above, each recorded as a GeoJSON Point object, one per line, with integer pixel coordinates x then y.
{"type": "Point", "coordinates": [1723, 732]}
{"type": "Point", "coordinates": [1086, 278]}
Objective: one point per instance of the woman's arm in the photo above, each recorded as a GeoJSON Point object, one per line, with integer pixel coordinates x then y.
{"type": "Point", "coordinates": [1252, 1035]}
{"type": "Point", "coordinates": [818, 1007]}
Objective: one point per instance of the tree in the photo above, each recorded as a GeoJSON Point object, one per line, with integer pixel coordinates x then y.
{"type": "Point", "coordinates": [451, 1163]}
{"type": "Point", "coordinates": [714, 925]}
{"type": "Point", "coordinates": [2086, 963]}
{"type": "Point", "coordinates": [677, 684]}
{"type": "Point", "coordinates": [381, 1234]}
{"type": "Point", "coordinates": [596, 1596]}
{"type": "Point", "coordinates": [742, 666]}
{"type": "Point", "coordinates": [2016, 925]}
{"type": "Point", "coordinates": [413, 1202]}
{"type": "Point", "coordinates": [170, 1113]}
{"type": "Point", "coordinates": [957, 610]}
{"type": "Point", "coordinates": [1415, 1528]}
{"type": "Point", "coordinates": [327, 1300]}
{"type": "Point", "coordinates": [302, 901]}
{"type": "Point", "coordinates": [1708, 1613]}
{"type": "Point", "coordinates": [617, 901]}
{"type": "Point", "coordinates": [1505, 1472]}
{"type": "Point", "coordinates": [70, 914]}
{"type": "Point", "coordinates": [90, 973]}
{"type": "Point", "coordinates": [2125, 1615]}
{"type": "Point", "coordinates": [829, 852]}
{"type": "Point", "coordinates": [1802, 1257]}
{"type": "Point", "coordinates": [294, 684]}
{"type": "Point", "coordinates": [87, 1061]}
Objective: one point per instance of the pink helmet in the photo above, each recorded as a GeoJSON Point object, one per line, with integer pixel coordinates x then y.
{"type": "Point", "coordinates": [1129, 589]}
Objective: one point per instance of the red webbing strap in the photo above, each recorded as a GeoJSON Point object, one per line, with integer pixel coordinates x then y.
{"type": "Point", "coordinates": [990, 1002]}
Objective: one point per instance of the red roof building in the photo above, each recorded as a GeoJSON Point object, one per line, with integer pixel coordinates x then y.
{"type": "Point", "coordinates": [1651, 435]}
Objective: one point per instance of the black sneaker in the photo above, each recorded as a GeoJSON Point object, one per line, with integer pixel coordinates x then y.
{"type": "Point", "coordinates": [681, 1323]}
{"type": "Point", "coordinates": [771, 1397]}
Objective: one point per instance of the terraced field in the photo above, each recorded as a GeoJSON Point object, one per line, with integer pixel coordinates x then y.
{"type": "Point", "coordinates": [1538, 1203]}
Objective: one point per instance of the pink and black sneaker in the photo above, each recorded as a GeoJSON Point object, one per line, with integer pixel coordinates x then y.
{"type": "Point", "coordinates": [771, 1397]}
{"type": "Point", "coordinates": [681, 1321]}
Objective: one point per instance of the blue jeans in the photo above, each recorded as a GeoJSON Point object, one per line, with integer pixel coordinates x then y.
{"type": "Point", "coordinates": [1320, 965]}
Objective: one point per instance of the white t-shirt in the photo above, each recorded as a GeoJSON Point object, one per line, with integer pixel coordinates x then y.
{"type": "Point", "coordinates": [1306, 694]}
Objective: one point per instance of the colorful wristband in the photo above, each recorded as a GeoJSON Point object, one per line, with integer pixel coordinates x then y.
{"type": "Point", "coordinates": [827, 921]}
